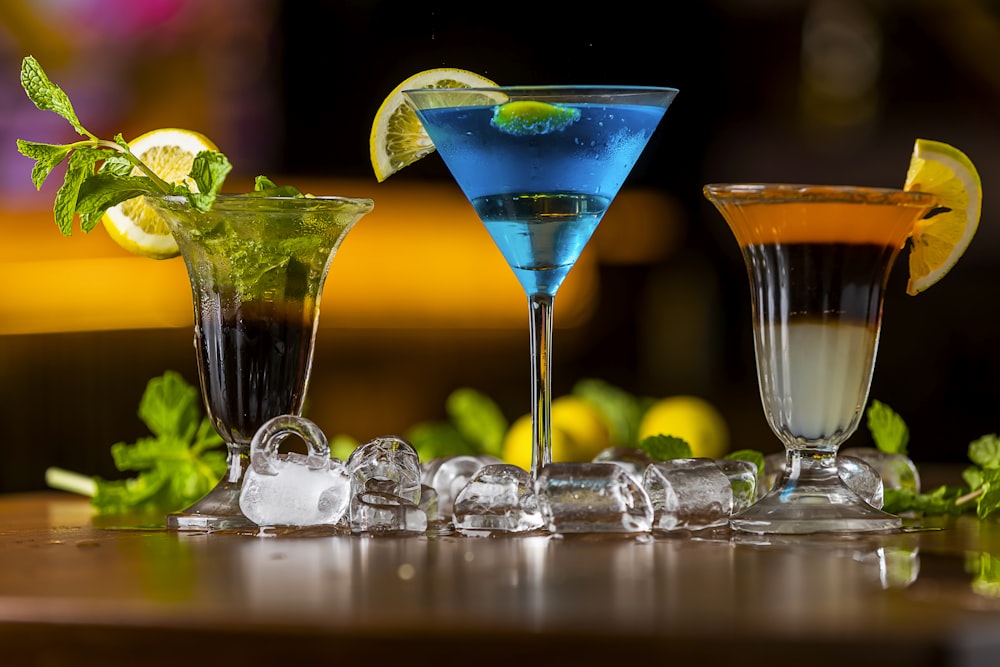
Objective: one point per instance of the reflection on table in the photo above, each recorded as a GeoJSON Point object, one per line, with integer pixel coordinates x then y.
{"type": "Point", "coordinates": [73, 593]}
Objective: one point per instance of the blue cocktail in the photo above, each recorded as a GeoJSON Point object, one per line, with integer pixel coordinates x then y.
{"type": "Point", "coordinates": [541, 165]}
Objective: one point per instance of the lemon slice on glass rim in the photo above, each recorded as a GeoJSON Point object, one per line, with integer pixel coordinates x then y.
{"type": "Point", "coordinates": [397, 138]}
{"type": "Point", "coordinates": [939, 241]}
{"type": "Point", "coordinates": [133, 224]}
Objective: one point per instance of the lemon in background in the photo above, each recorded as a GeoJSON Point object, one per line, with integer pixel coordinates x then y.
{"type": "Point", "coordinates": [579, 433]}
{"type": "Point", "coordinates": [690, 418]}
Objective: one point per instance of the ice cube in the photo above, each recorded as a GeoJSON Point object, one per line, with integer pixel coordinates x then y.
{"type": "Point", "coordinates": [447, 475]}
{"type": "Point", "coordinates": [379, 512]}
{"type": "Point", "coordinates": [292, 489]}
{"type": "Point", "coordinates": [632, 459]}
{"type": "Point", "coordinates": [896, 470]}
{"type": "Point", "coordinates": [592, 498]}
{"type": "Point", "coordinates": [742, 476]}
{"type": "Point", "coordinates": [498, 497]}
{"type": "Point", "coordinates": [386, 465]}
{"type": "Point", "coordinates": [691, 494]}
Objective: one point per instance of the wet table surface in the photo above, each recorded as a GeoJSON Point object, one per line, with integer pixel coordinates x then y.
{"type": "Point", "coordinates": [72, 593]}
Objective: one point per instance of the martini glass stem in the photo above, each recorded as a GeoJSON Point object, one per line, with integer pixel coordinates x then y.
{"type": "Point", "coordinates": [540, 327]}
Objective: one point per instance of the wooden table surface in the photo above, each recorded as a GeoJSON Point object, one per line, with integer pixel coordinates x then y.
{"type": "Point", "coordinates": [75, 594]}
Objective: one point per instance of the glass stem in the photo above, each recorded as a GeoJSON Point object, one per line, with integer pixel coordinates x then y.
{"type": "Point", "coordinates": [540, 326]}
{"type": "Point", "coordinates": [811, 467]}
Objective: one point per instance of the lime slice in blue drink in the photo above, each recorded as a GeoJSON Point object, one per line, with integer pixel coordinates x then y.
{"type": "Point", "coordinates": [526, 118]}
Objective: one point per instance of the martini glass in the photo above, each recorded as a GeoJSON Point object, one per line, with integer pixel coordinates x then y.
{"type": "Point", "coordinates": [257, 267]}
{"type": "Point", "coordinates": [541, 165]}
{"type": "Point", "coordinates": [818, 260]}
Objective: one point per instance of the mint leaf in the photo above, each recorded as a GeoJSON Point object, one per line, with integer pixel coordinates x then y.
{"type": "Point", "coordinates": [665, 447]}
{"type": "Point", "coordinates": [170, 407]}
{"type": "Point", "coordinates": [985, 451]}
{"type": "Point", "coordinates": [478, 419]}
{"type": "Point", "coordinates": [46, 156]}
{"type": "Point", "coordinates": [99, 192]}
{"type": "Point", "coordinates": [435, 439]}
{"type": "Point", "coordinates": [751, 455]}
{"type": "Point", "coordinates": [46, 95]}
{"type": "Point", "coordinates": [989, 493]}
{"type": "Point", "coordinates": [940, 501]}
{"type": "Point", "coordinates": [111, 159]}
{"type": "Point", "coordinates": [180, 463]}
{"type": "Point", "coordinates": [887, 428]}
{"type": "Point", "coordinates": [209, 171]}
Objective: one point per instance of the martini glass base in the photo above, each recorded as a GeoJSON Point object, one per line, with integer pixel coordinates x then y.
{"type": "Point", "coordinates": [828, 508]}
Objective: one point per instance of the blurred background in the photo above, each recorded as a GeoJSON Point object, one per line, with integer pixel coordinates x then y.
{"type": "Point", "coordinates": [418, 302]}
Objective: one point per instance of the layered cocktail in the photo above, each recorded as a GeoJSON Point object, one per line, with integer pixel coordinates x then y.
{"type": "Point", "coordinates": [818, 259]}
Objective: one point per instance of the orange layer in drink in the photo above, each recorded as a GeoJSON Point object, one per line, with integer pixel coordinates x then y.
{"type": "Point", "coordinates": [764, 214]}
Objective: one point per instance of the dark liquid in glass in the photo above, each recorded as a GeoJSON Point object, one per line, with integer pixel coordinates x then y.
{"type": "Point", "coordinates": [255, 359]}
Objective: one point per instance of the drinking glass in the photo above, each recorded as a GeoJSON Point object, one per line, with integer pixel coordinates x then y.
{"type": "Point", "coordinates": [540, 165]}
{"type": "Point", "coordinates": [818, 259]}
{"type": "Point", "coordinates": [257, 265]}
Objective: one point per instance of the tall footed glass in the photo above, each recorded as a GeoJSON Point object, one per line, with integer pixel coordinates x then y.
{"type": "Point", "coordinates": [257, 266]}
{"type": "Point", "coordinates": [818, 260]}
{"type": "Point", "coordinates": [541, 165]}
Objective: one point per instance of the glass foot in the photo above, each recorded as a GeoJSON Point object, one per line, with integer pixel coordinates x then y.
{"type": "Point", "coordinates": [797, 508]}
{"type": "Point", "coordinates": [219, 509]}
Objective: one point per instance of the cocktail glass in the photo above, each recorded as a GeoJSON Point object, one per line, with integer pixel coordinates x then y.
{"type": "Point", "coordinates": [541, 165]}
{"type": "Point", "coordinates": [818, 260]}
{"type": "Point", "coordinates": [257, 266]}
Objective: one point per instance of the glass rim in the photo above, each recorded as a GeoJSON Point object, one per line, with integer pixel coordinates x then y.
{"type": "Point", "coordinates": [559, 88]}
{"type": "Point", "coordinates": [282, 200]}
{"type": "Point", "coordinates": [799, 192]}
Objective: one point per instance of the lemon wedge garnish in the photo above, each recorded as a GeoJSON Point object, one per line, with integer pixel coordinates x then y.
{"type": "Point", "coordinates": [397, 137]}
{"type": "Point", "coordinates": [939, 241]}
{"type": "Point", "coordinates": [133, 224]}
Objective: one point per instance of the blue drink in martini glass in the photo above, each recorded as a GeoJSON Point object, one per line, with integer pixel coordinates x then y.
{"type": "Point", "coordinates": [541, 165]}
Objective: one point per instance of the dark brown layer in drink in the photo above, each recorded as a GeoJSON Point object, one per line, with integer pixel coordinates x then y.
{"type": "Point", "coordinates": [842, 280]}
{"type": "Point", "coordinates": [255, 359]}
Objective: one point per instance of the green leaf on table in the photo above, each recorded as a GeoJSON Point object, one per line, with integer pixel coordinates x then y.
{"type": "Point", "coordinates": [752, 455]}
{"type": "Point", "coordinates": [985, 451]}
{"type": "Point", "coordinates": [181, 462]}
{"type": "Point", "coordinates": [478, 419]}
{"type": "Point", "coordinates": [170, 407]}
{"type": "Point", "coordinates": [989, 498]}
{"type": "Point", "coordinates": [938, 502]}
{"type": "Point", "coordinates": [666, 447]}
{"type": "Point", "coordinates": [888, 430]}
{"type": "Point", "coordinates": [435, 439]}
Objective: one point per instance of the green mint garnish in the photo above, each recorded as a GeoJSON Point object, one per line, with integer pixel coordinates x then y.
{"type": "Point", "coordinates": [752, 455]}
{"type": "Point", "coordinates": [98, 172]}
{"type": "Point", "coordinates": [888, 430]}
{"type": "Point", "coordinates": [665, 447]}
{"type": "Point", "coordinates": [525, 118]}
{"type": "Point", "coordinates": [176, 466]}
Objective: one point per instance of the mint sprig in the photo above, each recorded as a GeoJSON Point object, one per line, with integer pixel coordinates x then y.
{"type": "Point", "coordinates": [980, 493]}
{"type": "Point", "coordinates": [887, 428]}
{"type": "Point", "coordinates": [178, 464]}
{"type": "Point", "coordinates": [99, 172]}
